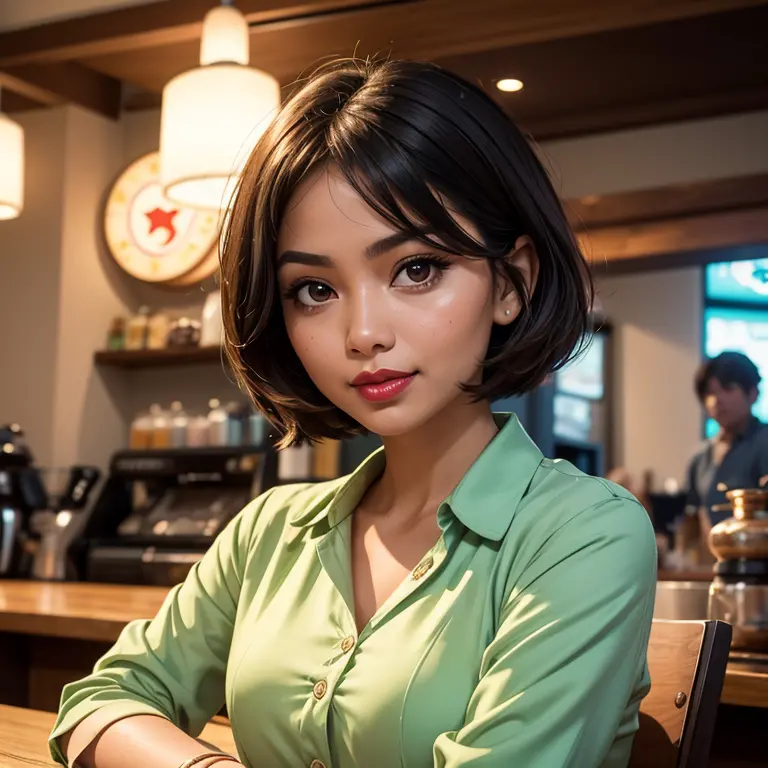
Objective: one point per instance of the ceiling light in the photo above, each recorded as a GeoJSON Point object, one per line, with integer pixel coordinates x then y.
{"type": "Point", "coordinates": [12, 165]}
{"type": "Point", "coordinates": [509, 85]}
{"type": "Point", "coordinates": [213, 115]}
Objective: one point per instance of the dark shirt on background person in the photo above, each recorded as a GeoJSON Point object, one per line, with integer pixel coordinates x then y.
{"type": "Point", "coordinates": [727, 387]}
{"type": "Point", "coordinates": [743, 466]}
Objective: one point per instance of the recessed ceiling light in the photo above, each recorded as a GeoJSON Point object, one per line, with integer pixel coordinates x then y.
{"type": "Point", "coordinates": [509, 85]}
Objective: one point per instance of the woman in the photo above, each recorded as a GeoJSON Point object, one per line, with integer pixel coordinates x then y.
{"type": "Point", "coordinates": [394, 260]}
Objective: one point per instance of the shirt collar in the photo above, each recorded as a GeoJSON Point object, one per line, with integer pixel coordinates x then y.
{"type": "Point", "coordinates": [752, 426]}
{"type": "Point", "coordinates": [485, 500]}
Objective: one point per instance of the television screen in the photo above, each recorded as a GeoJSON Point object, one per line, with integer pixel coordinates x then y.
{"type": "Point", "coordinates": [740, 330]}
{"type": "Point", "coordinates": [584, 377]}
{"type": "Point", "coordinates": [738, 281]}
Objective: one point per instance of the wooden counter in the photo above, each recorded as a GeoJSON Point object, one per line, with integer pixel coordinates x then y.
{"type": "Point", "coordinates": [91, 616]}
{"type": "Point", "coordinates": [83, 611]}
{"type": "Point", "coordinates": [24, 737]}
{"type": "Point", "coordinates": [745, 685]}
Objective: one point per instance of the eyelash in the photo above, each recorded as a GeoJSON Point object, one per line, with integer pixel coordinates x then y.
{"type": "Point", "coordinates": [439, 261]}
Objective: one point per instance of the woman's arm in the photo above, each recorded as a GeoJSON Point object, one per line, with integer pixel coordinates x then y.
{"type": "Point", "coordinates": [168, 672]}
{"type": "Point", "coordinates": [560, 680]}
{"type": "Point", "coordinates": [154, 743]}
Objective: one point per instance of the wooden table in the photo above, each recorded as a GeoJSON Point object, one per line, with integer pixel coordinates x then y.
{"type": "Point", "coordinates": [24, 737]}
{"type": "Point", "coordinates": [51, 634]}
{"type": "Point", "coordinates": [96, 612]}
{"type": "Point", "coordinates": [91, 616]}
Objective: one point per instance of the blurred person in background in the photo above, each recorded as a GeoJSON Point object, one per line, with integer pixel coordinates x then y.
{"type": "Point", "coordinates": [737, 456]}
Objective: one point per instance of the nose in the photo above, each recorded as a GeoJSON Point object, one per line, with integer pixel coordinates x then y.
{"type": "Point", "coordinates": [369, 330]}
{"type": "Point", "coordinates": [712, 403]}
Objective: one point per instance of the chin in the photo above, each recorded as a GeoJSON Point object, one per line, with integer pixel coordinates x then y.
{"type": "Point", "coordinates": [395, 418]}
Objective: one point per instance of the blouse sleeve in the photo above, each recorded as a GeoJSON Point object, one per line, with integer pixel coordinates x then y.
{"type": "Point", "coordinates": [174, 665]}
{"type": "Point", "coordinates": [569, 653]}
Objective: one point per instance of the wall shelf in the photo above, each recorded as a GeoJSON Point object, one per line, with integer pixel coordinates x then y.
{"type": "Point", "coordinates": [158, 358]}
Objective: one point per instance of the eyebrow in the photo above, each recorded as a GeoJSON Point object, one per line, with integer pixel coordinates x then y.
{"type": "Point", "coordinates": [379, 248]}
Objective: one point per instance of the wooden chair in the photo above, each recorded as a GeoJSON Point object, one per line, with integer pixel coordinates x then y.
{"type": "Point", "coordinates": [687, 661]}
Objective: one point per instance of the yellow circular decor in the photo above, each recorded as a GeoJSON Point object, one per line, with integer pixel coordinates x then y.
{"type": "Point", "coordinates": [154, 239]}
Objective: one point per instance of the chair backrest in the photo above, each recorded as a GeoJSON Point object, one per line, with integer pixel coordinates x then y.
{"type": "Point", "coordinates": [687, 661]}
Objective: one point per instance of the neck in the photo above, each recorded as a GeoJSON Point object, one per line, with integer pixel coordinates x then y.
{"type": "Point", "coordinates": [425, 465]}
{"type": "Point", "coordinates": [730, 433]}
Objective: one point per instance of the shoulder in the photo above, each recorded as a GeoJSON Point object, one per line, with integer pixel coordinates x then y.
{"type": "Point", "coordinates": [566, 512]}
{"type": "Point", "coordinates": [761, 434]}
{"type": "Point", "coordinates": [276, 509]}
{"type": "Point", "coordinates": [566, 493]}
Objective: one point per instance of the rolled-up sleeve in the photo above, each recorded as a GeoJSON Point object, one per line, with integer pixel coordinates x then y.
{"type": "Point", "coordinates": [570, 650]}
{"type": "Point", "coordinates": [174, 665]}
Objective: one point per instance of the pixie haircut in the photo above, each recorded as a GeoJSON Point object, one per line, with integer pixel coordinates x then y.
{"type": "Point", "coordinates": [419, 145]}
{"type": "Point", "coordinates": [730, 369]}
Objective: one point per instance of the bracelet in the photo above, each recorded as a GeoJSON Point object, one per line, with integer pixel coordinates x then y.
{"type": "Point", "coordinates": [220, 757]}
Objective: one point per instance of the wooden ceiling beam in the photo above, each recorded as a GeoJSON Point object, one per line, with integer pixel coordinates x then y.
{"type": "Point", "coordinates": [678, 242]}
{"type": "Point", "coordinates": [430, 28]}
{"type": "Point", "coordinates": [144, 26]}
{"type": "Point", "coordinates": [672, 202]}
{"type": "Point", "coordinates": [64, 82]}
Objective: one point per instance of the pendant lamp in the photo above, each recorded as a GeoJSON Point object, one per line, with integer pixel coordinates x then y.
{"type": "Point", "coordinates": [11, 168]}
{"type": "Point", "coordinates": [213, 115]}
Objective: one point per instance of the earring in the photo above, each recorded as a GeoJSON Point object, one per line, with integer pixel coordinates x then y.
{"type": "Point", "coordinates": [507, 311]}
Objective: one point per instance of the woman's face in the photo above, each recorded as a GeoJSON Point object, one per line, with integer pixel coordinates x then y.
{"type": "Point", "coordinates": [360, 301]}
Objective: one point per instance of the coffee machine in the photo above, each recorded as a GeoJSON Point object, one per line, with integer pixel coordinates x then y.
{"type": "Point", "coordinates": [160, 510]}
{"type": "Point", "coordinates": [21, 493]}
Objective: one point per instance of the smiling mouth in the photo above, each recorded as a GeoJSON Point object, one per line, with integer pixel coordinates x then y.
{"type": "Point", "coordinates": [383, 385]}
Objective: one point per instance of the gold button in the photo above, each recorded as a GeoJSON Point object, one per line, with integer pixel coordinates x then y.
{"type": "Point", "coordinates": [320, 688]}
{"type": "Point", "coordinates": [423, 568]}
{"type": "Point", "coordinates": [348, 643]}
{"type": "Point", "coordinates": [317, 764]}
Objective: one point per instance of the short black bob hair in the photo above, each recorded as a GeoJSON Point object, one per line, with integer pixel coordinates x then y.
{"type": "Point", "coordinates": [729, 368]}
{"type": "Point", "coordinates": [413, 140]}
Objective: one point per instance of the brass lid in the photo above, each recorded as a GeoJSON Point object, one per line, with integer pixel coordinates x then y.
{"type": "Point", "coordinates": [748, 501]}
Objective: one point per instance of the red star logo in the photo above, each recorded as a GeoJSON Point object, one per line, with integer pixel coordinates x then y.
{"type": "Point", "coordinates": [160, 219]}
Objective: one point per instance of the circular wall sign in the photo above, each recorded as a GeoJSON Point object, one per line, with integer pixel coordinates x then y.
{"type": "Point", "coordinates": [154, 239]}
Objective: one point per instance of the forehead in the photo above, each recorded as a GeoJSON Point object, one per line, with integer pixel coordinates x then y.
{"type": "Point", "coordinates": [715, 386]}
{"type": "Point", "coordinates": [325, 213]}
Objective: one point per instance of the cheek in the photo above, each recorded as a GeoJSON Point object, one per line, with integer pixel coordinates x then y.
{"type": "Point", "coordinates": [460, 318]}
{"type": "Point", "coordinates": [306, 339]}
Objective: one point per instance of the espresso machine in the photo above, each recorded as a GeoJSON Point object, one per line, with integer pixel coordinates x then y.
{"type": "Point", "coordinates": [160, 510]}
{"type": "Point", "coordinates": [21, 493]}
{"type": "Point", "coordinates": [739, 590]}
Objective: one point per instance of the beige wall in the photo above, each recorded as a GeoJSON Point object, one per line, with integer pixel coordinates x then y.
{"type": "Point", "coordinates": [60, 289]}
{"type": "Point", "coordinates": [735, 145]}
{"type": "Point", "coordinates": [29, 285]}
{"type": "Point", "coordinates": [88, 421]}
{"type": "Point", "coordinates": [657, 342]}
{"type": "Point", "coordinates": [657, 316]}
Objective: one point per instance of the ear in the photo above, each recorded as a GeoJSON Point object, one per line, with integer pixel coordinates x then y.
{"type": "Point", "coordinates": [752, 396]}
{"type": "Point", "coordinates": [507, 304]}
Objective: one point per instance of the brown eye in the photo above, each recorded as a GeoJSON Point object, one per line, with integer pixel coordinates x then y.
{"type": "Point", "coordinates": [314, 293]}
{"type": "Point", "coordinates": [418, 271]}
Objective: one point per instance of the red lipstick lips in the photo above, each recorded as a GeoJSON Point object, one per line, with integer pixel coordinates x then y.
{"type": "Point", "coordinates": [383, 384]}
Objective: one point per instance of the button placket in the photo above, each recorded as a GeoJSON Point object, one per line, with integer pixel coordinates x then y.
{"type": "Point", "coordinates": [423, 568]}
{"type": "Point", "coordinates": [348, 643]}
{"type": "Point", "coordinates": [319, 689]}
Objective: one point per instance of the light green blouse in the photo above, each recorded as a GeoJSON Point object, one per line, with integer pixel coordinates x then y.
{"type": "Point", "coordinates": [518, 641]}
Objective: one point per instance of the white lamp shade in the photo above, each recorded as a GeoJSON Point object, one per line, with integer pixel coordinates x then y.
{"type": "Point", "coordinates": [11, 168]}
{"type": "Point", "coordinates": [211, 119]}
{"type": "Point", "coordinates": [225, 37]}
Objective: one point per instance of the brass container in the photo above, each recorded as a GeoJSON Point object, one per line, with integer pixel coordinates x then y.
{"type": "Point", "coordinates": [739, 591]}
{"type": "Point", "coordinates": [745, 535]}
